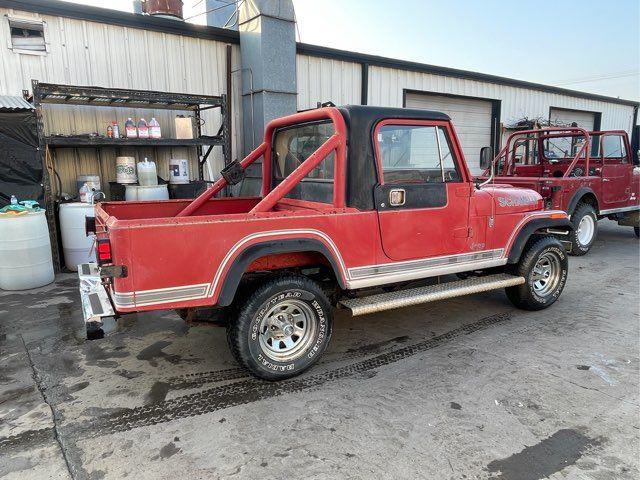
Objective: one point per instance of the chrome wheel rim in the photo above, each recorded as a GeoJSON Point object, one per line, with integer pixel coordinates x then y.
{"type": "Point", "coordinates": [546, 274]}
{"type": "Point", "coordinates": [287, 330]}
{"type": "Point", "coordinates": [586, 228]}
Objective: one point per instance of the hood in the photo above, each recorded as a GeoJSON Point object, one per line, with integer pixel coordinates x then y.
{"type": "Point", "coordinates": [508, 199]}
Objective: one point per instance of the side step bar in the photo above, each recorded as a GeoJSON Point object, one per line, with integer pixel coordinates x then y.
{"type": "Point", "coordinates": [415, 296]}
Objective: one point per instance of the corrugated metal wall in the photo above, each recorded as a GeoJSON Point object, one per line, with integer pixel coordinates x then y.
{"type": "Point", "coordinates": [323, 80]}
{"type": "Point", "coordinates": [89, 53]}
{"type": "Point", "coordinates": [386, 87]}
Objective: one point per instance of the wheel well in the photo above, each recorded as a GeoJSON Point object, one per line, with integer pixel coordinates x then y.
{"type": "Point", "coordinates": [279, 256]}
{"type": "Point", "coordinates": [537, 227]}
{"type": "Point", "coordinates": [587, 197]}
{"type": "Point", "coordinates": [591, 199]}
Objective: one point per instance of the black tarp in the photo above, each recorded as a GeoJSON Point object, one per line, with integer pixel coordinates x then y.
{"type": "Point", "coordinates": [20, 166]}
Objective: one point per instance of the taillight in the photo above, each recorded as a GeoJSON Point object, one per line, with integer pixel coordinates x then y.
{"type": "Point", "coordinates": [104, 251]}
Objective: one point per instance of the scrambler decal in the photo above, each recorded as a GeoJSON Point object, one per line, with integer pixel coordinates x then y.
{"type": "Point", "coordinates": [520, 201]}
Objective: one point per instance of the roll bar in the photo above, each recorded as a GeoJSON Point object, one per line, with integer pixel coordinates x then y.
{"type": "Point", "coordinates": [337, 143]}
{"type": "Point", "coordinates": [542, 134]}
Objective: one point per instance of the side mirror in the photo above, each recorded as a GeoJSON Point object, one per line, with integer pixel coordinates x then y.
{"type": "Point", "coordinates": [486, 157]}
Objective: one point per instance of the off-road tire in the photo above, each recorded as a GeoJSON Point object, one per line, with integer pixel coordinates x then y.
{"type": "Point", "coordinates": [527, 296]}
{"type": "Point", "coordinates": [244, 334]}
{"type": "Point", "coordinates": [582, 210]}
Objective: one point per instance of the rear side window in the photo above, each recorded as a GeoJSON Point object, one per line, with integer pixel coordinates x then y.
{"type": "Point", "coordinates": [613, 146]}
{"type": "Point", "coordinates": [416, 154]}
{"type": "Point", "coordinates": [292, 146]}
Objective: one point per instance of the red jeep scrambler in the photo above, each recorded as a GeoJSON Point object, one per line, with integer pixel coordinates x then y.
{"type": "Point", "coordinates": [589, 175]}
{"type": "Point", "coordinates": [352, 198]}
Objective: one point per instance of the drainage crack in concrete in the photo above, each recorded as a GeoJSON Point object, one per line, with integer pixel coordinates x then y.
{"type": "Point", "coordinates": [252, 390]}
{"type": "Point", "coordinates": [593, 389]}
{"type": "Point", "coordinates": [54, 417]}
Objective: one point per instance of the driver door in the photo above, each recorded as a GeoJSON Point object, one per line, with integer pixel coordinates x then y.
{"type": "Point", "coordinates": [616, 171]}
{"type": "Point", "coordinates": [422, 199]}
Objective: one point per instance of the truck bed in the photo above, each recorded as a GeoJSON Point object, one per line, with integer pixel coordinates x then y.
{"type": "Point", "coordinates": [170, 208]}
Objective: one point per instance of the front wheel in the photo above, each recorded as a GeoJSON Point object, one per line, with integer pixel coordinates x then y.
{"type": "Point", "coordinates": [544, 266]}
{"type": "Point", "coordinates": [585, 229]}
{"type": "Point", "coordinates": [282, 329]}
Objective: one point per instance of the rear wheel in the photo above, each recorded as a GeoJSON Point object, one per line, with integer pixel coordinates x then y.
{"type": "Point", "coordinates": [282, 329]}
{"type": "Point", "coordinates": [544, 266]}
{"type": "Point", "coordinates": [585, 229]}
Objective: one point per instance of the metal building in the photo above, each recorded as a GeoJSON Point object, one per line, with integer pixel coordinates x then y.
{"type": "Point", "coordinates": [76, 44]}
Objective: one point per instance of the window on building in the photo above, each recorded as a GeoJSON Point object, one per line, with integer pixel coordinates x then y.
{"type": "Point", "coordinates": [292, 146]}
{"type": "Point", "coordinates": [27, 36]}
{"type": "Point", "coordinates": [416, 154]}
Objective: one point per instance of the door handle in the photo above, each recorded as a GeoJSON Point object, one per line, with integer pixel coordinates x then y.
{"type": "Point", "coordinates": [606, 180]}
{"type": "Point", "coordinates": [397, 197]}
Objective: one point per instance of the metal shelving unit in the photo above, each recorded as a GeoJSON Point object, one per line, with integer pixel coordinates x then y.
{"type": "Point", "coordinates": [53, 94]}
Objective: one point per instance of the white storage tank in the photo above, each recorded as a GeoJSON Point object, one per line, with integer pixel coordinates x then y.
{"type": "Point", "coordinates": [77, 246]}
{"type": "Point", "coordinates": [25, 251]}
{"type": "Point", "coordinates": [139, 193]}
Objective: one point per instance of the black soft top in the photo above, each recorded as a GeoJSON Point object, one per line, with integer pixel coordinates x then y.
{"type": "Point", "coordinates": [361, 166]}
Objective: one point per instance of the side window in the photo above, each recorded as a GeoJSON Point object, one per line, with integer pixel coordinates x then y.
{"type": "Point", "coordinates": [525, 151]}
{"type": "Point", "coordinates": [613, 147]}
{"type": "Point", "coordinates": [292, 146]}
{"type": "Point", "coordinates": [416, 154]}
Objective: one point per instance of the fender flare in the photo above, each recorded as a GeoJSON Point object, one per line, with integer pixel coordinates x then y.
{"type": "Point", "coordinates": [271, 247]}
{"type": "Point", "coordinates": [530, 228]}
{"type": "Point", "coordinates": [577, 196]}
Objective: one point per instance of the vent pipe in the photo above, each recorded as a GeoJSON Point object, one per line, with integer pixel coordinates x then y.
{"type": "Point", "coordinates": [163, 8]}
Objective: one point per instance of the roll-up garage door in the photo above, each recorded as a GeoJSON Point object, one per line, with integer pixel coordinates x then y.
{"type": "Point", "coordinates": [562, 117]}
{"type": "Point", "coordinates": [471, 118]}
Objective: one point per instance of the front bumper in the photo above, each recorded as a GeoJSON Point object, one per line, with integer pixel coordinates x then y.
{"type": "Point", "coordinates": [95, 299]}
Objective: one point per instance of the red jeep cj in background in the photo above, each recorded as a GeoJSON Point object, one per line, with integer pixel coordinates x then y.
{"type": "Point", "coordinates": [353, 199]}
{"type": "Point", "coordinates": [589, 175]}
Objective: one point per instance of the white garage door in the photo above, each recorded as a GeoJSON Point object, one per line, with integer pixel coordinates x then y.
{"type": "Point", "coordinates": [567, 117]}
{"type": "Point", "coordinates": [471, 119]}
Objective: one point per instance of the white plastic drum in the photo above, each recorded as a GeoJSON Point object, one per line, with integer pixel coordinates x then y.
{"type": "Point", "coordinates": [25, 251]}
{"type": "Point", "coordinates": [77, 246]}
{"type": "Point", "coordinates": [178, 170]}
{"type": "Point", "coordinates": [139, 193]}
{"type": "Point", "coordinates": [126, 170]}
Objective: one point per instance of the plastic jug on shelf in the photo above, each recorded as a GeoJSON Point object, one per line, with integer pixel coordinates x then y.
{"type": "Point", "coordinates": [154, 129]}
{"type": "Point", "coordinates": [143, 129]}
{"type": "Point", "coordinates": [147, 174]}
{"type": "Point", "coordinates": [130, 130]}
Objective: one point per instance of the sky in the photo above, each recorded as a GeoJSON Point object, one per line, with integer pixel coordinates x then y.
{"type": "Point", "coordinates": [590, 45]}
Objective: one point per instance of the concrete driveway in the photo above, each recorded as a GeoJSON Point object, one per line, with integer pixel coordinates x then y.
{"type": "Point", "coordinates": [466, 388]}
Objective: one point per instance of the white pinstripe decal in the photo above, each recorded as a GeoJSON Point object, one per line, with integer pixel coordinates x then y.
{"type": "Point", "coordinates": [355, 277]}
